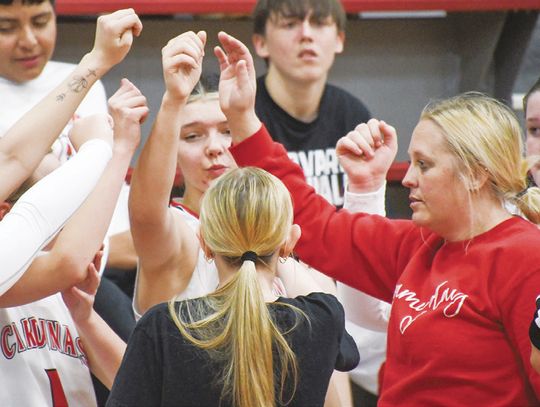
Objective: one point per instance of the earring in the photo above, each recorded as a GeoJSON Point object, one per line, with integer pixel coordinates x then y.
{"type": "Point", "coordinates": [209, 260]}
{"type": "Point", "coordinates": [282, 260]}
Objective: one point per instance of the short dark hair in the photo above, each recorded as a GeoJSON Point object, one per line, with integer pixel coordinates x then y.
{"type": "Point", "coordinates": [535, 88]}
{"type": "Point", "coordinates": [25, 2]}
{"type": "Point", "coordinates": [265, 9]}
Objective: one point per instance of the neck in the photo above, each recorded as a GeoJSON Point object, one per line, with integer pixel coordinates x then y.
{"type": "Point", "coordinates": [487, 212]}
{"type": "Point", "coordinates": [299, 99]}
{"type": "Point", "coordinates": [192, 199]}
{"type": "Point", "coordinates": [265, 275]}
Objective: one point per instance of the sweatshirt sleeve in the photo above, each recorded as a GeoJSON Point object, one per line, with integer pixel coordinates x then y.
{"type": "Point", "coordinates": [515, 298]}
{"type": "Point", "coordinates": [367, 252]}
{"type": "Point", "coordinates": [42, 211]}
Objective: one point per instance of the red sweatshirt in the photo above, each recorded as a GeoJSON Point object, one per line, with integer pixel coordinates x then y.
{"type": "Point", "coordinates": [458, 331]}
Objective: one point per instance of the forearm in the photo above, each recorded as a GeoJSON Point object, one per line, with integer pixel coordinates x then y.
{"type": "Point", "coordinates": [360, 308]}
{"type": "Point", "coordinates": [76, 245]}
{"type": "Point", "coordinates": [156, 162]}
{"type": "Point", "coordinates": [44, 209]}
{"type": "Point", "coordinates": [103, 348]}
{"type": "Point", "coordinates": [371, 202]}
{"type": "Point", "coordinates": [27, 142]}
{"type": "Point", "coordinates": [364, 310]}
{"type": "Point", "coordinates": [296, 278]}
{"type": "Point", "coordinates": [85, 231]}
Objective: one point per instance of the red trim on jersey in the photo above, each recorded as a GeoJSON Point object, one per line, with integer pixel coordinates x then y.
{"type": "Point", "coordinates": [178, 204]}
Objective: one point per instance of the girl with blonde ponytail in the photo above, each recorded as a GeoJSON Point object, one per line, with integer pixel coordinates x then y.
{"type": "Point", "coordinates": [242, 345]}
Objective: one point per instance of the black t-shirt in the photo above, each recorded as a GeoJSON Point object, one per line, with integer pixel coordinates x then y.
{"type": "Point", "coordinates": [312, 145]}
{"type": "Point", "coordinates": [161, 368]}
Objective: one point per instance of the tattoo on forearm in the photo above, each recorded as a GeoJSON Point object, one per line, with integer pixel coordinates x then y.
{"type": "Point", "coordinates": [76, 85]}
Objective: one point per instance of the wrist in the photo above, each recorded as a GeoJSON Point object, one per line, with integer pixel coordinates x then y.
{"type": "Point", "coordinates": [372, 184]}
{"type": "Point", "coordinates": [171, 101]}
{"type": "Point", "coordinates": [124, 149]}
{"type": "Point", "coordinates": [96, 62]}
{"type": "Point", "coordinates": [243, 125]}
{"type": "Point", "coordinates": [85, 323]}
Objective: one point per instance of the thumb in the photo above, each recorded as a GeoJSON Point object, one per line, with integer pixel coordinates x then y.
{"type": "Point", "coordinates": [202, 36]}
{"type": "Point", "coordinates": [126, 38]}
{"type": "Point", "coordinates": [389, 134]}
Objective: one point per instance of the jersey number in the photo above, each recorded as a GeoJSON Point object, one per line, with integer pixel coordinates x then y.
{"type": "Point", "coordinates": [57, 392]}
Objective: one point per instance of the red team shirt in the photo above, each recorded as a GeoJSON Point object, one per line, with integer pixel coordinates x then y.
{"type": "Point", "coordinates": [458, 331]}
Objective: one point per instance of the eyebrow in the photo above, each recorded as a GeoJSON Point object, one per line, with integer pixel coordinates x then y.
{"type": "Point", "coordinates": [12, 19]}
{"type": "Point", "coordinates": [44, 14]}
{"type": "Point", "coordinates": [199, 123]}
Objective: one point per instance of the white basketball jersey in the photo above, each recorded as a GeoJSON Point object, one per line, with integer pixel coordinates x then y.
{"type": "Point", "coordinates": [42, 362]}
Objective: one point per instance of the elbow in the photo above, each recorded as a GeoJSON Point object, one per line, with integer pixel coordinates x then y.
{"type": "Point", "coordinates": [71, 268]}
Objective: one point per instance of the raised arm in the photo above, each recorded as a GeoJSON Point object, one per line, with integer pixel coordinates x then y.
{"type": "Point", "coordinates": [341, 245]}
{"type": "Point", "coordinates": [27, 142]}
{"type": "Point", "coordinates": [66, 263]}
{"type": "Point", "coordinates": [165, 244]}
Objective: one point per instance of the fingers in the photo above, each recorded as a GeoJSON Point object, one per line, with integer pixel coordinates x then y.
{"type": "Point", "coordinates": [242, 74]}
{"type": "Point", "coordinates": [188, 44]}
{"type": "Point", "coordinates": [114, 36]}
{"type": "Point", "coordinates": [182, 60]}
{"type": "Point", "coordinates": [96, 261]}
{"type": "Point", "coordinates": [202, 36]}
{"type": "Point", "coordinates": [364, 139]}
{"type": "Point", "coordinates": [124, 21]}
{"type": "Point", "coordinates": [236, 50]}
{"type": "Point", "coordinates": [346, 145]}
{"type": "Point", "coordinates": [222, 58]}
{"type": "Point", "coordinates": [233, 47]}
{"type": "Point", "coordinates": [128, 100]}
{"type": "Point", "coordinates": [92, 281]}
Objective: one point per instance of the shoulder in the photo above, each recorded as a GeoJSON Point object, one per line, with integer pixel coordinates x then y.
{"type": "Point", "coordinates": [179, 211]}
{"type": "Point", "coordinates": [516, 237]}
{"type": "Point", "coordinates": [263, 100]}
{"type": "Point", "coordinates": [155, 319]}
{"type": "Point", "coordinates": [342, 98]}
{"type": "Point", "coordinates": [319, 306]}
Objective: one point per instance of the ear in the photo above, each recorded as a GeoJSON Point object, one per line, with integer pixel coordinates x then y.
{"type": "Point", "coordinates": [259, 42]}
{"type": "Point", "coordinates": [4, 209]}
{"type": "Point", "coordinates": [294, 234]}
{"type": "Point", "coordinates": [207, 252]}
{"type": "Point", "coordinates": [340, 42]}
{"type": "Point", "coordinates": [479, 180]}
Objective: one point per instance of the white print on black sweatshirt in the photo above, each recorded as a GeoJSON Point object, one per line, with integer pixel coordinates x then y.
{"type": "Point", "coordinates": [323, 172]}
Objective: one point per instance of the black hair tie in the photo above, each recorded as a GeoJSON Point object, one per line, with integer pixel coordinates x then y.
{"type": "Point", "coordinates": [249, 256]}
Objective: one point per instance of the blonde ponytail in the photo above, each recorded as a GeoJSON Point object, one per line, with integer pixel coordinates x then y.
{"type": "Point", "coordinates": [245, 210]}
